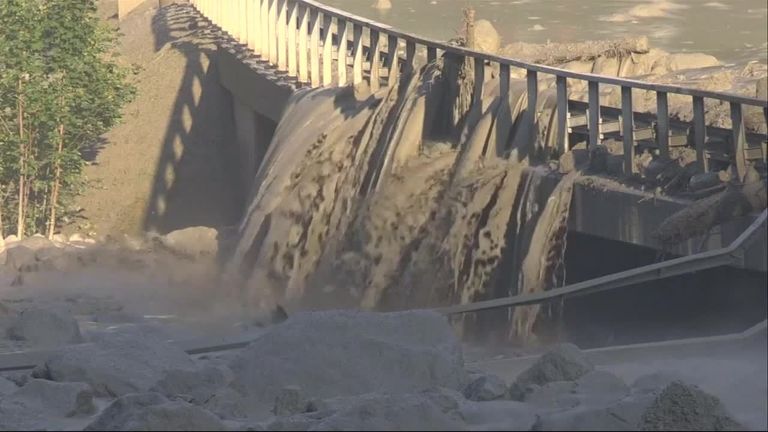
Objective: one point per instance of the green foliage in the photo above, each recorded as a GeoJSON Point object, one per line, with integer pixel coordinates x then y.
{"type": "Point", "coordinates": [60, 89]}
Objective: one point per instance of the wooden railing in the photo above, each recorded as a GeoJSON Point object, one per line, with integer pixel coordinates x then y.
{"type": "Point", "coordinates": [310, 42]}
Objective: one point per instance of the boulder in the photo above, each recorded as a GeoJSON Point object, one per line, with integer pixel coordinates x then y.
{"type": "Point", "coordinates": [686, 407]}
{"type": "Point", "coordinates": [290, 401]}
{"type": "Point", "coordinates": [682, 61]}
{"type": "Point", "coordinates": [45, 327]}
{"type": "Point", "coordinates": [153, 412]}
{"type": "Point", "coordinates": [564, 363]}
{"type": "Point", "coordinates": [487, 39]}
{"type": "Point", "coordinates": [199, 384]}
{"type": "Point", "coordinates": [486, 388]}
{"type": "Point", "coordinates": [118, 364]}
{"type": "Point", "coordinates": [58, 399]}
{"type": "Point", "coordinates": [20, 258]}
{"type": "Point", "coordinates": [192, 242]}
{"type": "Point", "coordinates": [345, 353]}
{"type": "Point", "coordinates": [7, 386]}
{"type": "Point", "coordinates": [56, 258]}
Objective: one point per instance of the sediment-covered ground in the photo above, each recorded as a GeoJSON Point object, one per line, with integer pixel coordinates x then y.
{"type": "Point", "coordinates": [337, 370]}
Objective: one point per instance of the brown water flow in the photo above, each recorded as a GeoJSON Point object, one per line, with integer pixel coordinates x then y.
{"type": "Point", "coordinates": [373, 201]}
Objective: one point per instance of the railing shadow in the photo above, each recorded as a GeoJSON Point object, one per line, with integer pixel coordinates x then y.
{"type": "Point", "coordinates": [195, 182]}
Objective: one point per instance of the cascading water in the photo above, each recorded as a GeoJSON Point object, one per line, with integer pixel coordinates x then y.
{"type": "Point", "coordinates": [392, 200]}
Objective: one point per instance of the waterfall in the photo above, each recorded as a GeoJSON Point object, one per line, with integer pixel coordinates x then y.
{"type": "Point", "coordinates": [376, 201]}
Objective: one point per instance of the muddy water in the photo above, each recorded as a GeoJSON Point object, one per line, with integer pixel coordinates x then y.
{"type": "Point", "coordinates": [734, 31]}
{"type": "Point", "coordinates": [370, 201]}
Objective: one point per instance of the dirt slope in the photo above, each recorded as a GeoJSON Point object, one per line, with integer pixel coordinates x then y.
{"type": "Point", "coordinates": [163, 167]}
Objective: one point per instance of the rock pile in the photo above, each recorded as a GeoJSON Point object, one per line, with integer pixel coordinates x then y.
{"type": "Point", "coordinates": [340, 370]}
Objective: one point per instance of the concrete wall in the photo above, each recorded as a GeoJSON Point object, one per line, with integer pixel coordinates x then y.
{"type": "Point", "coordinates": [254, 134]}
{"type": "Point", "coordinates": [253, 86]}
{"type": "Point", "coordinates": [258, 100]}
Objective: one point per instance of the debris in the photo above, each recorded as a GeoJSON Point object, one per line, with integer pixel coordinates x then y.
{"type": "Point", "coordinates": [153, 412]}
{"type": "Point", "coordinates": [45, 327]}
{"type": "Point", "coordinates": [486, 388]}
{"type": "Point", "coordinates": [564, 363]}
{"type": "Point", "coordinates": [685, 407]}
{"type": "Point", "coordinates": [117, 365]}
{"type": "Point", "coordinates": [59, 399]}
{"type": "Point", "coordinates": [343, 353]}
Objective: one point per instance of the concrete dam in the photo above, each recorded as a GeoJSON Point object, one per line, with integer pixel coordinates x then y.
{"type": "Point", "coordinates": [418, 174]}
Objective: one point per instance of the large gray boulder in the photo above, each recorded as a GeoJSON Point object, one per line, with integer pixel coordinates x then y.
{"type": "Point", "coordinates": [153, 412]}
{"type": "Point", "coordinates": [45, 327]}
{"type": "Point", "coordinates": [345, 353]}
{"type": "Point", "coordinates": [192, 242]}
{"type": "Point", "coordinates": [20, 258]}
{"type": "Point", "coordinates": [44, 405]}
{"type": "Point", "coordinates": [118, 364]}
{"type": "Point", "coordinates": [564, 363]}
{"type": "Point", "coordinates": [58, 399]}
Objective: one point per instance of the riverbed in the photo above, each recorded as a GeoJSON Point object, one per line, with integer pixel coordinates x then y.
{"type": "Point", "coordinates": [734, 31]}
